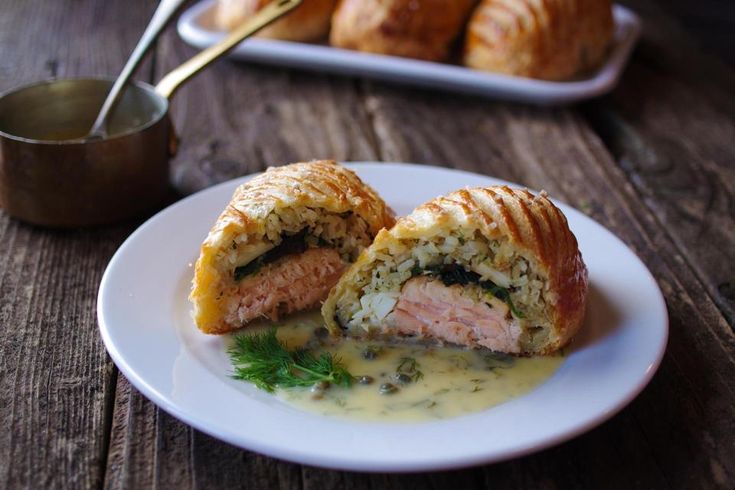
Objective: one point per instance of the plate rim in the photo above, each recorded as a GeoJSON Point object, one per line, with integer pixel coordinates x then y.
{"type": "Point", "coordinates": [434, 464]}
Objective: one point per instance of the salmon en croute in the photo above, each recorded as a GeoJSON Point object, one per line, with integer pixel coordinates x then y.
{"type": "Point", "coordinates": [283, 241]}
{"type": "Point", "coordinates": [494, 268]}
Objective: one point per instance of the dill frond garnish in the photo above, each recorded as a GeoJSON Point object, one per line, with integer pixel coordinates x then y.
{"type": "Point", "coordinates": [410, 367]}
{"type": "Point", "coordinates": [266, 362]}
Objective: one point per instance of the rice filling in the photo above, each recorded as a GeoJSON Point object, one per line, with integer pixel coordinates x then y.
{"type": "Point", "coordinates": [487, 271]}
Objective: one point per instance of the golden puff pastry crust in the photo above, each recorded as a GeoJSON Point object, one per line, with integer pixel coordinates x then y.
{"type": "Point", "coordinates": [526, 226]}
{"type": "Point", "coordinates": [323, 197]}
{"type": "Point", "coordinates": [423, 29]}
{"type": "Point", "coordinates": [544, 39]}
{"type": "Point", "coordinates": [309, 22]}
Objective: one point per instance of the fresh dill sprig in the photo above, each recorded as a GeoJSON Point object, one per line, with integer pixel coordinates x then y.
{"type": "Point", "coordinates": [410, 367]}
{"type": "Point", "coordinates": [265, 361]}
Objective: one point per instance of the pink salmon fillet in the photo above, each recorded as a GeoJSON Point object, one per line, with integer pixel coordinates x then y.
{"type": "Point", "coordinates": [427, 308]}
{"type": "Point", "coordinates": [293, 283]}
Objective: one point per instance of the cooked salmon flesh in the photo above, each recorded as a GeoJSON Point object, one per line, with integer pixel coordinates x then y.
{"type": "Point", "coordinates": [428, 308]}
{"type": "Point", "coordinates": [292, 283]}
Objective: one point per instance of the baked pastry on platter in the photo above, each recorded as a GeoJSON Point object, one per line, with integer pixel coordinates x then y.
{"type": "Point", "coordinates": [282, 242]}
{"type": "Point", "coordinates": [309, 22]}
{"type": "Point", "coordinates": [423, 29]}
{"type": "Point", "coordinates": [494, 268]}
{"type": "Point", "coordinates": [546, 39]}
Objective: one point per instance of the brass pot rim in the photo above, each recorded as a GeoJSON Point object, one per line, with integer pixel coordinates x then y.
{"type": "Point", "coordinates": [146, 87]}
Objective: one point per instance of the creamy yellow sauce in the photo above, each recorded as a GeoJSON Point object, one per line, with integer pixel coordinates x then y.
{"type": "Point", "coordinates": [452, 381]}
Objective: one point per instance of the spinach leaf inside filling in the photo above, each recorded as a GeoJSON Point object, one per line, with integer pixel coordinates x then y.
{"type": "Point", "coordinates": [290, 245]}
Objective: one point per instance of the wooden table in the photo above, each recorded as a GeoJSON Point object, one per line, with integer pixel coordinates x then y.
{"type": "Point", "coordinates": [654, 162]}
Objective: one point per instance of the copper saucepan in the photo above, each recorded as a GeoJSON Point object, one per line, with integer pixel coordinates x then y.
{"type": "Point", "coordinates": [53, 174]}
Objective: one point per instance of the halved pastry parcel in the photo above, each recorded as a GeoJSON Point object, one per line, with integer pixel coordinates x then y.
{"type": "Point", "coordinates": [283, 241]}
{"type": "Point", "coordinates": [493, 267]}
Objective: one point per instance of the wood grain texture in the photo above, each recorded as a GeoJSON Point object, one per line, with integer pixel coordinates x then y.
{"type": "Point", "coordinates": [709, 22]}
{"type": "Point", "coordinates": [236, 118]}
{"type": "Point", "coordinates": [149, 448]}
{"type": "Point", "coordinates": [55, 386]}
{"type": "Point", "coordinates": [81, 38]}
{"type": "Point", "coordinates": [675, 145]}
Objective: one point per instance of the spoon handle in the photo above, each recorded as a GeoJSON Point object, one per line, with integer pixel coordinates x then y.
{"type": "Point", "coordinates": [171, 82]}
{"type": "Point", "coordinates": [161, 17]}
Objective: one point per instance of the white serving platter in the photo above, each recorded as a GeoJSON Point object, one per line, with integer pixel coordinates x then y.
{"type": "Point", "coordinates": [195, 27]}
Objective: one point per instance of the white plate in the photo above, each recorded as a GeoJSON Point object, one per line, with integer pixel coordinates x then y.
{"type": "Point", "coordinates": [195, 27]}
{"type": "Point", "coordinates": [144, 320]}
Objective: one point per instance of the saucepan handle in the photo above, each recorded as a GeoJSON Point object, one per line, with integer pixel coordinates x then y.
{"type": "Point", "coordinates": [171, 82]}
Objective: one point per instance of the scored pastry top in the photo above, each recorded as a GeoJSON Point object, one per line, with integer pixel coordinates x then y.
{"type": "Point", "coordinates": [318, 184]}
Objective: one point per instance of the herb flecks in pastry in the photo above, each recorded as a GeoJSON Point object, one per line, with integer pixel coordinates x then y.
{"type": "Point", "coordinates": [494, 268]}
{"type": "Point", "coordinates": [282, 242]}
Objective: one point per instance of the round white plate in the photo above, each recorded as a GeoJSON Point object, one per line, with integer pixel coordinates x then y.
{"type": "Point", "coordinates": [144, 320]}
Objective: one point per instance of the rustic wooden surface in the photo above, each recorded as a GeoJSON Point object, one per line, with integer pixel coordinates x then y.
{"type": "Point", "coordinates": [654, 162]}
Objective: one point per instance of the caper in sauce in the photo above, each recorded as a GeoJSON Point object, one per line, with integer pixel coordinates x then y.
{"type": "Point", "coordinates": [387, 389]}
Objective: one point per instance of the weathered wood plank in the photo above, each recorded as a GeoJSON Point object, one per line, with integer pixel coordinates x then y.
{"type": "Point", "coordinates": [41, 40]}
{"type": "Point", "coordinates": [136, 423]}
{"type": "Point", "coordinates": [149, 448]}
{"type": "Point", "coordinates": [611, 456]}
{"type": "Point", "coordinates": [708, 21]}
{"type": "Point", "coordinates": [236, 118]}
{"type": "Point", "coordinates": [316, 479]}
{"type": "Point", "coordinates": [55, 386]}
{"type": "Point", "coordinates": [670, 125]}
